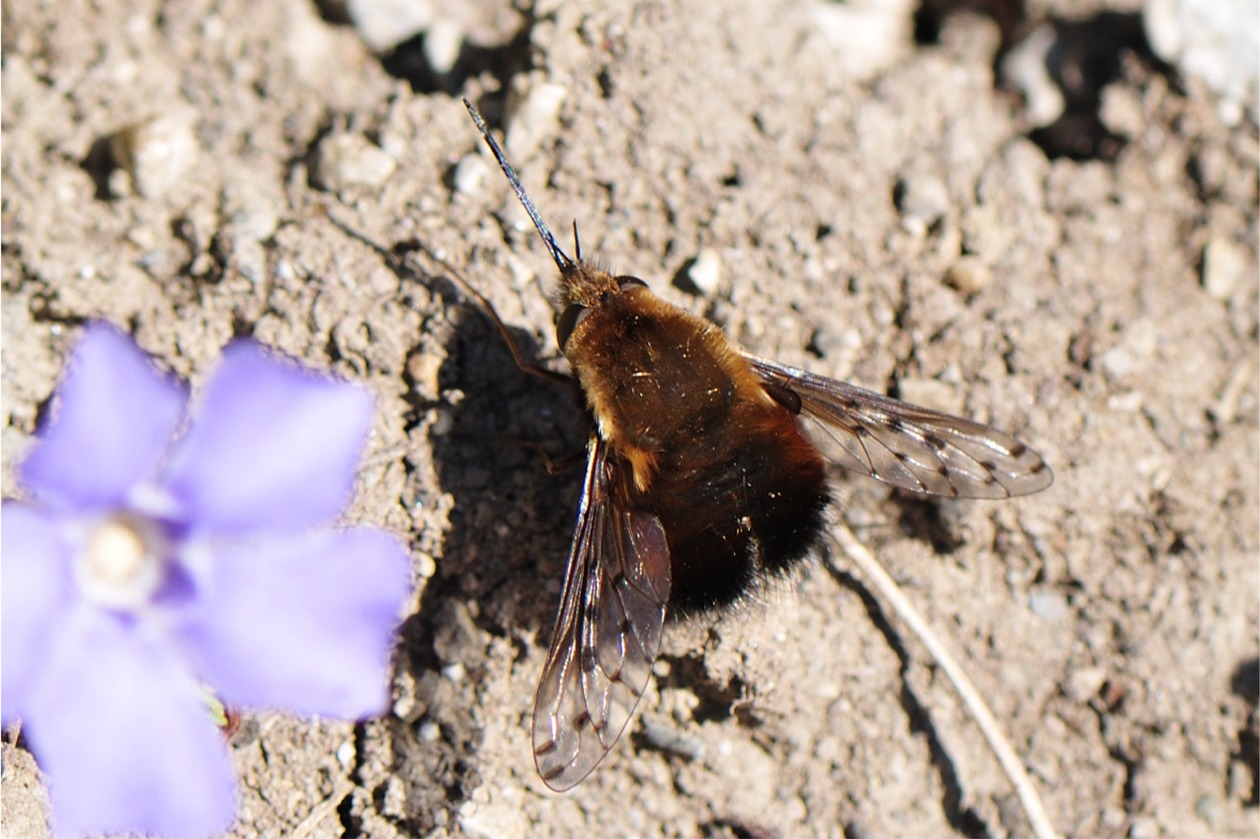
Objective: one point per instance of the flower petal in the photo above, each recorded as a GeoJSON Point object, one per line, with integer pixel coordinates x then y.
{"type": "Point", "coordinates": [273, 446]}
{"type": "Point", "coordinates": [36, 554]}
{"type": "Point", "coordinates": [306, 624]}
{"type": "Point", "coordinates": [113, 418]}
{"type": "Point", "coordinates": [120, 729]}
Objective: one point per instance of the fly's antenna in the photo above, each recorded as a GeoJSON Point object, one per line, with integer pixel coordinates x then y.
{"type": "Point", "coordinates": [577, 243]}
{"type": "Point", "coordinates": [562, 261]}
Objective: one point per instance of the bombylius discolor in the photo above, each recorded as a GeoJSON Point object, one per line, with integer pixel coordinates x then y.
{"type": "Point", "coordinates": [705, 475]}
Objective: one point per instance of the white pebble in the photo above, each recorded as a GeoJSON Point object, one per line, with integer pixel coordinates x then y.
{"type": "Point", "coordinates": [156, 154]}
{"type": "Point", "coordinates": [923, 200]}
{"type": "Point", "coordinates": [384, 24]}
{"type": "Point", "coordinates": [969, 274]}
{"type": "Point", "coordinates": [442, 42]}
{"type": "Point", "coordinates": [1224, 265]}
{"type": "Point", "coordinates": [535, 117]}
{"type": "Point", "coordinates": [349, 161]}
{"type": "Point", "coordinates": [705, 272]}
{"type": "Point", "coordinates": [470, 174]}
{"type": "Point", "coordinates": [1216, 41]}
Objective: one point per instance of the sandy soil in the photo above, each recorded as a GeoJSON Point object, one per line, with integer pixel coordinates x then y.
{"type": "Point", "coordinates": [1111, 621]}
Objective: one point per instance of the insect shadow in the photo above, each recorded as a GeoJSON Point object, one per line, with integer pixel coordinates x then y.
{"type": "Point", "coordinates": [503, 550]}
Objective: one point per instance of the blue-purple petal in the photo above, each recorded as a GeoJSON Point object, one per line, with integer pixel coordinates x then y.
{"type": "Point", "coordinates": [111, 422]}
{"type": "Point", "coordinates": [121, 731]}
{"type": "Point", "coordinates": [273, 447]}
{"type": "Point", "coordinates": [305, 624]}
{"type": "Point", "coordinates": [35, 559]}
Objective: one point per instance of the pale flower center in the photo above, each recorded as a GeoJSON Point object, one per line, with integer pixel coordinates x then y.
{"type": "Point", "coordinates": [121, 563]}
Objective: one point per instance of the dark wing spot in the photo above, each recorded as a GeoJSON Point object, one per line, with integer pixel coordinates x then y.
{"type": "Point", "coordinates": [934, 441]}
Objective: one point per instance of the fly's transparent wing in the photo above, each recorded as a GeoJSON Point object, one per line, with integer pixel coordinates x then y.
{"type": "Point", "coordinates": [608, 630]}
{"type": "Point", "coordinates": [909, 447]}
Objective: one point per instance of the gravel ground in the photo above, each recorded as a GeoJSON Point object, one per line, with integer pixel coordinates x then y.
{"type": "Point", "coordinates": [840, 195]}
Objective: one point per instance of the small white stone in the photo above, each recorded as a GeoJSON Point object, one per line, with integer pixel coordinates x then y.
{"type": "Point", "coordinates": [534, 117]}
{"type": "Point", "coordinates": [969, 274]}
{"type": "Point", "coordinates": [1216, 41]}
{"type": "Point", "coordinates": [869, 35]}
{"type": "Point", "coordinates": [923, 200]}
{"type": "Point", "coordinates": [426, 566]}
{"type": "Point", "coordinates": [1084, 684]}
{"type": "Point", "coordinates": [1048, 605]}
{"type": "Point", "coordinates": [1024, 69]}
{"type": "Point", "coordinates": [705, 272]}
{"type": "Point", "coordinates": [470, 174]}
{"type": "Point", "coordinates": [442, 42]}
{"type": "Point", "coordinates": [156, 154]}
{"type": "Point", "coordinates": [384, 24]}
{"type": "Point", "coordinates": [349, 161]}
{"type": "Point", "coordinates": [1224, 265]}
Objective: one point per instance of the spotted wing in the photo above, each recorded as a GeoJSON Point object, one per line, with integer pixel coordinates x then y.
{"type": "Point", "coordinates": [608, 631]}
{"type": "Point", "coordinates": [901, 444]}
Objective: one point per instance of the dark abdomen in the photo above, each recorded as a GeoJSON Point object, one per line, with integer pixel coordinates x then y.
{"type": "Point", "coordinates": [747, 497]}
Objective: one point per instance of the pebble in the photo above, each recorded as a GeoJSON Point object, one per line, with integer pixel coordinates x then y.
{"type": "Point", "coordinates": [535, 117]}
{"type": "Point", "coordinates": [443, 41]}
{"type": "Point", "coordinates": [252, 214]}
{"type": "Point", "coordinates": [1209, 809]}
{"type": "Point", "coordinates": [869, 36]}
{"type": "Point", "coordinates": [1048, 605]}
{"type": "Point", "coordinates": [923, 200]}
{"type": "Point", "coordinates": [156, 154]}
{"type": "Point", "coordinates": [1024, 70]}
{"type": "Point", "coordinates": [384, 24]}
{"type": "Point", "coordinates": [1216, 41]}
{"type": "Point", "coordinates": [1224, 265]}
{"type": "Point", "coordinates": [1084, 684]}
{"type": "Point", "coordinates": [1118, 362]}
{"type": "Point", "coordinates": [470, 174]}
{"type": "Point", "coordinates": [704, 274]}
{"type": "Point", "coordinates": [350, 161]}
{"type": "Point", "coordinates": [969, 274]}
{"type": "Point", "coordinates": [426, 566]}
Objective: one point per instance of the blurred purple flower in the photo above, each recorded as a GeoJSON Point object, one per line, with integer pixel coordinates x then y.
{"type": "Point", "coordinates": [159, 552]}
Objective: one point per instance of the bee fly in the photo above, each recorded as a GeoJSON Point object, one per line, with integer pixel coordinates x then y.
{"type": "Point", "coordinates": [705, 473]}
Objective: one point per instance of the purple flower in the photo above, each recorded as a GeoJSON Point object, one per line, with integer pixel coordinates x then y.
{"type": "Point", "coordinates": [160, 553]}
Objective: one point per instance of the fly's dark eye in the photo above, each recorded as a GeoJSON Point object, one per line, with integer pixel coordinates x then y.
{"type": "Point", "coordinates": [629, 282]}
{"type": "Point", "coordinates": [572, 315]}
